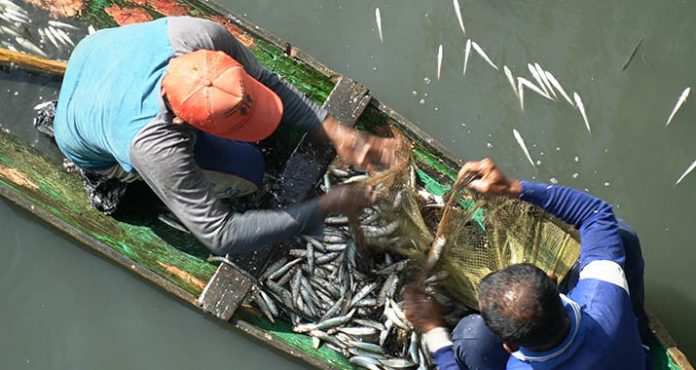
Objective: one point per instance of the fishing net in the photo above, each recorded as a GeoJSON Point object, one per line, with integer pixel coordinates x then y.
{"type": "Point", "coordinates": [482, 235]}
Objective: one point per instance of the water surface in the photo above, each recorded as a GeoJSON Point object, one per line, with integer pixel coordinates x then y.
{"type": "Point", "coordinates": [65, 308]}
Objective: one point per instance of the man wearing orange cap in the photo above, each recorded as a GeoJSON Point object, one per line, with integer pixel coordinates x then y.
{"type": "Point", "coordinates": [175, 102]}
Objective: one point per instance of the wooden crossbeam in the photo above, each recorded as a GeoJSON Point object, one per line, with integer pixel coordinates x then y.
{"type": "Point", "coordinates": [32, 62]}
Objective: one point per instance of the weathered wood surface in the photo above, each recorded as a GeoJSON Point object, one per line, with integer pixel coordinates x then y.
{"type": "Point", "coordinates": [225, 291]}
{"type": "Point", "coordinates": [311, 158]}
{"type": "Point", "coordinates": [32, 62]}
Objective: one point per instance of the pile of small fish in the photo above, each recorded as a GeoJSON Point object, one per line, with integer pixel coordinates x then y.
{"type": "Point", "coordinates": [345, 300]}
{"type": "Point", "coordinates": [15, 23]}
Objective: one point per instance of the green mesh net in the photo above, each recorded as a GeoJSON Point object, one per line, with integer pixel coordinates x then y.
{"type": "Point", "coordinates": [482, 235]}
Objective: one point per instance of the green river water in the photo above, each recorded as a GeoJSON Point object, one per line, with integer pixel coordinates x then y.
{"type": "Point", "coordinates": [64, 308]}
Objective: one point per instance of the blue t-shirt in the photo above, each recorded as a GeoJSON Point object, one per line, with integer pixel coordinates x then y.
{"type": "Point", "coordinates": [110, 91]}
{"type": "Point", "coordinates": [604, 333]}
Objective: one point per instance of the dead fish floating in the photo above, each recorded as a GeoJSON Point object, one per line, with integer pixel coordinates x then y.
{"type": "Point", "coordinates": [378, 20]}
{"type": "Point", "coordinates": [680, 102]}
{"type": "Point", "coordinates": [581, 108]}
{"type": "Point", "coordinates": [439, 61]}
{"type": "Point", "coordinates": [688, 171]}
{"type": "Point", "coordinates": [467, 53]}
{"type": "Point", "coordinates": [483, 55]}
{"type": "Point", "coordinates": [458, 12]}
{"type": "Point", "coordinates": [522, 145]}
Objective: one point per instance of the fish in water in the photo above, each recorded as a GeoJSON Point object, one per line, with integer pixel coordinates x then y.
{"type": "Point", "coordinates": [520, 141]}
{"type": "Point", "coordinates": [439, 61]}
{"type": "Point", "coordinates": [511, 79]}
{"type": "Point", "coordinates": [538, 78]}
{"type": "Point", "coordinates": [52, 38]}
{"type": "Point", "coordinates": [681, 101]}
{"type": "Point", "coordinates": [378, 19]}
{"type": "Point", "coordinates": [533, 87]}
{"type": "Point", "coordinates": [546, 82]}
{"type": "Point", "coordinates": [64, 36]}
{"type": "Point", "coordinates": [557, 85]}
{"type": "Point", "coordinates": [581, 108]}
{"type": "Point", "coordinates": [9, 31]}
{"type": "Point", "coordinates": [467, 52]}
{"type": "Point", "coordinates": [58, 24]}
{"type": "Point", "coordinates": [483, 55]}
{"type": "Point", "coordinates": [520, 93]}
{"type": "Point", "coordinates": [30, 46]}
{"type": "Point", "coordinates": [688, 170]}
{"type": "Point", "coordinates": [458, 12]}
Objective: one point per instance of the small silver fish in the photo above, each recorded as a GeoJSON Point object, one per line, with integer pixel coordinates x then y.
{"type": "Point", "coordinates": [439, 61]}
{"type": "Point", "coordinates": [682, 99]}
{"type": "Point", "coordinates": [581, 108]}
{"type": "Point", "coordinates": [538, 79]}
{"type": "Point", "coordinates": [458, 12]}
{"type": "Point", "coordinates": [483, 55]}
{"type": "Point", "coordinates": [273, 268]}
{"type": "Point", "coordinates": [511, 79]}
{"type": "Point", "coordinates": [55, 34]}
{"type": "Point", "coordinates": [62, 25]}
{"type": "Point", "coordinates": [688, 170]}
{"type": "Point", "coordinates": [356, 178]}
{"type": "Point", "coordinates": [557, 85]}
{"type": "Point", "coordinates": [467, 53]}
{"type": "Point", "coordinates": [262, 305]}
{"type": "Point", "coordinates": [52, 39]}
{"type": "Point", "coordinates": [533, 87]}
{"type": "Point", "coordinates": [9, 31]}
{"type": "Point", "coordinates": [363, 292]}
{"type": "Point", "coordinates": [358, 331]}
{"type": "Point", "coordinates": [284, 269]}
{"type": "Point", "coordinates": [15, 17]}
{"type": "Point", "coordinates": [520, 141]}
{"type": "Point", "coordinates": [366, 362]}
{"type": "Point", "coordinates": [91, 29]}
{"type": "Point", "coordinates": [64, 36]}
{"type": "Point", "coordinates": [397, 363]}
{"type": "Point", "coordinates": [378, 20]}
{"type": "Point", "coordinates": [520, 93]}
{"type": "Point", "coordinates": [365, 346]}
{"type": "Point", "coordinates": [337, 220]}
{"type": "Point", "coordinates": [546, 82]}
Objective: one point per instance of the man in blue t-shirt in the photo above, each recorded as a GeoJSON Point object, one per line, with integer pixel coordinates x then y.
{"type": "Point", "coordinates": [525, 323]}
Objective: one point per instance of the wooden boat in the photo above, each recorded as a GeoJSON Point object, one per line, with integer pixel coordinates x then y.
{"type": "Point", "coordinates": [175, 261]}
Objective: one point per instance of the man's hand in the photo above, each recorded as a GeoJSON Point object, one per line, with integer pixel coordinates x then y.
{"type": "Point", "coordinates": [489, 180]}
{"type": "Point", "coordinates": [347, 199]}
{"type": "Point", "coordinates": [421, 310]}
{"type": "Point", "coordinates": [368, 152]}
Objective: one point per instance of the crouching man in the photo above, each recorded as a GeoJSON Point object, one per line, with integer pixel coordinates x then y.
{"type": "Point", "coordinates": [178, 103]}
{"type": "Point", "coordinates": [524, 321]}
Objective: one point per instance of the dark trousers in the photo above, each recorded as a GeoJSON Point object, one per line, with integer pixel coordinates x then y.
{"type": "Point", "coordinates": [477, 348]}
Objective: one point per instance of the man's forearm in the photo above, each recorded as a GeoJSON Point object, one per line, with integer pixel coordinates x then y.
{"type": "Point", "coordinates": [243, 233]}
{"type": "Point", "coordinates": [592, 216]}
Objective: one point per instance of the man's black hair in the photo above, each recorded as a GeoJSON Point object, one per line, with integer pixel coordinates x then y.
{"type": "Point", "coordinates": [521, 305]}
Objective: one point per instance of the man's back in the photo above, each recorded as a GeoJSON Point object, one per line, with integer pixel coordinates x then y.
{"type": "Point", "coordinates": [605, 339]}
{"type": "Point", "coordinates": [111, 89]}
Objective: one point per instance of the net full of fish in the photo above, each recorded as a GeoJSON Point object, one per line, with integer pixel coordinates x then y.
{"type": "Point", "coordinates": [347, 298]}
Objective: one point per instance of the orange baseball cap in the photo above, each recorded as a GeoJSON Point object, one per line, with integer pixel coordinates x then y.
{"type": "Point", "coordinates": [212, 92]}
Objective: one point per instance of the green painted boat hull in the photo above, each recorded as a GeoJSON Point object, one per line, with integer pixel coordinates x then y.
{"type": "Point", "coordinates": [175, 261]}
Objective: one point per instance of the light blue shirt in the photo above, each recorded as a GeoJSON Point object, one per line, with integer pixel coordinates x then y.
{"type": "Point", "coordinates": [110, 91]}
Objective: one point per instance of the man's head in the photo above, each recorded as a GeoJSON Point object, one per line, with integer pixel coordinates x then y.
{"type": "Point", "coordinates": [212, 92]}
{"type": "Point", "coordinates": [522, 306]}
